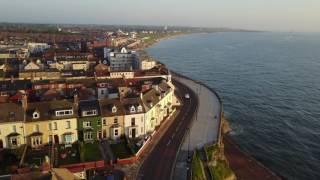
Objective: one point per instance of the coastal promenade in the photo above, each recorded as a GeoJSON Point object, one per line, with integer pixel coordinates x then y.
{"type": "Point", "coordinates": [204, 129]}
{"type": "Point", "coordinates": [160, 161]}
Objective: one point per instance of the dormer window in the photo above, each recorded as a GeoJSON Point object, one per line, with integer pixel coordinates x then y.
{"type": "Point", "coordinates": [132, 109]}
{"type": "Point", "coordinates": [114, 109]}
{"type": "Point", "coordinates": [64, 112]}
{"type": "Point", "coordinates": [92, 112]}
{"type": "Point", "coordinates": [12, 115]}
{"type": "Point", "coordinates": [139, 108]}
{"type": "Point", "coordinates": [35, 115]}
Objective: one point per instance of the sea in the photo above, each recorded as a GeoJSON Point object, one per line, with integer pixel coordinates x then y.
{"type": "Point", "coordinates": [270, 86]}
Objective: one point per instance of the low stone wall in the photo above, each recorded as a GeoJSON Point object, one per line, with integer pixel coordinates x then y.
{"type": "Point", "coordinates": [81, 166]}
{"type": "Point", "coordinates": [129, 160]}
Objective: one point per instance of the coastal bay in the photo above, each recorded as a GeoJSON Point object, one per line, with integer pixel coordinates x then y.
{"type": "Point", "coordinates": [260, 110]}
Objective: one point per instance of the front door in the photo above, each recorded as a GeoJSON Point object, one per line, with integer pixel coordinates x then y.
{"type": "Point", "coordinates": [56, 139]}
{"type": "Point", "coordinates": [133, 133]}
{"type": "Point", "coordinates": [1, 144]}
{"type": "Point", "coordinates": [99, 135]}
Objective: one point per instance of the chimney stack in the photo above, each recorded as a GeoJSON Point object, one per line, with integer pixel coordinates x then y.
{"type": "Point", "coordinates": [12, 79]}
{"type": "Point", "coordinates": [24, 102]}
{"type": "Point", "coordinates": [76, 100]}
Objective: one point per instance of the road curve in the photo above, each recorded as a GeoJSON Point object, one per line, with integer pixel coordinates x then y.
{"type": "Point", "coordinates": [159, 163]}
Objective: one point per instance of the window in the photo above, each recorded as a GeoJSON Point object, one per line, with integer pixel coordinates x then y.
{"type": "Point", "coordinates": [104, 133]}
{"type": "Point", "coordinates": [87, 124]}
{"type": "Point", "coordinates": [99, 122]}
{"type": "Point", "coordinates": [68, 125]}
{"type": "Point", "coordinates": [50, 126]}
{"type": "Point", "coordinates": [12, 115]}
{"type": "Point", "coordinates": [55, 126]}
{"type": "Point", "coordinates": [88, 135]}
{"type": "Point", "coordinates": [36, 141]}
{"type": "Point", "coordinates": [116, 132]}
{"type": "Point", "coordinates": [14, 128]}
{"type": "Point", "coordinates": [133, 121]}
{"type": "Point", "coordinates": [50, 138]}
{"type": "Point", "coordinates": [64, 112]}
{"type": "Point", "coordinates": [35, 115]}
{"type": "Point", "coordinates": [36, 128]}
{"type": "Point", "coordinates": [104, 121]}
{"type": "Point", "coordinates": [89, 113]}
{"type": "Point", "coordinates": [102, 92]}
{"type": "Point", "coordinates": [68, 138]}
{"type": "Point", "coordinates": [132, 109]}
{"type": "Point", "coordinates": [139, 108]}
{"type": "Point", "coordinates": [115, 120]}
{"type": "Point", "coordinates": [141, 129]}
{"type": "Point", "coordinates": [14, 141]}
{"type": "Point", "coordinates": [114, 109]}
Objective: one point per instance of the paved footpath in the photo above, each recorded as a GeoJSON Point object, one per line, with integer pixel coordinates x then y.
{"type": "Point", "coordinates": [204, 129]}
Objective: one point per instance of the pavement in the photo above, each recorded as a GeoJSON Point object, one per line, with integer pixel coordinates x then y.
{"type": "Point", "coordinates": [159, 163]}
{"type": "Point", "coordinates": [204, 129]}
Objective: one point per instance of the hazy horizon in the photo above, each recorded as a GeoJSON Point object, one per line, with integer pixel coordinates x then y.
{"type": "Point", "coordinates": [272, 15]}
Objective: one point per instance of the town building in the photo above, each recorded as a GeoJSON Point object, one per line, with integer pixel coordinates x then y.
{"type": "Point", "coordinates": [51, 122]}
{"type": "Point", "coordinates": [134, 117]}
{"type": "Point", "coordinates": [123, 60]}
{"type": "Point", "coordinates": [112, 114]}
{"type": "Point", "coordinates": [11, 125]}
{"type": "Point", "coordinates": [89, 121]}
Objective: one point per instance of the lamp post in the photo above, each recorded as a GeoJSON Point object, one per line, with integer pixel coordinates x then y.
{"type": "Point", "coordinates": [188, 158]}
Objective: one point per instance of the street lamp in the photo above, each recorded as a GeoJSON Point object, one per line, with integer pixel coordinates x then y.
{"type": "Point", "coordinates": [188, 156]}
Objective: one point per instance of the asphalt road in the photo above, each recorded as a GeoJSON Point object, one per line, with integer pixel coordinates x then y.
{"type": "Point", "coordinates": [158, 165]}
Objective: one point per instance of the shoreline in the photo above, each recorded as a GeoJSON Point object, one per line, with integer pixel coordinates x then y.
{"type": "Point", "coordinates": [170, 36]}
{"type": "Point", "coordinates": [235, 154]}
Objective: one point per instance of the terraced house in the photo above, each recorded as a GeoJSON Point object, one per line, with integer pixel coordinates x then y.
{"type": "Point", "coordinates": [134, 120]}
{"type": "Point", "coordinates": [137, 109]}
{"type": "Point", "coordinates": [112, 114]}
{"type": "Point", "coordinates": [158, 104]}
{"type": "Point", "coordinates": [89, 121]}
{"type": "Point", "coordinates": [51, 122]}
{"type": "Point", "coordinates": [11, 125]}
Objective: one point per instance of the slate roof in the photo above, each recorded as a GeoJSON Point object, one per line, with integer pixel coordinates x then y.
{"type": "Point", "coordinates": [106, 106]}
{"type": "Point", "coordinates": [47, 110]}
{"type": "Point", "coordinates": [89, 105]}
{"type": "Point", "coordinates": [16, 85]}
{"type": "Point", "coordinates": [10, 112]}
{"type": "Point", "coordinates": [129, 102]}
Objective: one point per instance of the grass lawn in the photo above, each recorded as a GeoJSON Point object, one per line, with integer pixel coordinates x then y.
{"type": "Point", "coordinates": [8, 158]}
{"type": "Point", "coordinates": [68, 155]}
{"type": "Point", "coordinates": [91, 152]}
{"type": "Point", "coordinates": [121, 150]}
{"type": "Point", "coordinates": [197, 168]}
{"type": "Point", "coordinates": [221, 171]}
{"type": "Point", "coordinates": [36, 156]}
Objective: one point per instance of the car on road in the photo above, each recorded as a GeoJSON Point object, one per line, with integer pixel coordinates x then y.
{"type": "Point", "coordinates": [187, 96]}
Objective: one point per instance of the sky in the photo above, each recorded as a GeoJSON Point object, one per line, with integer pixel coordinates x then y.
{"type": "Point", "coordinates": [270, 15]}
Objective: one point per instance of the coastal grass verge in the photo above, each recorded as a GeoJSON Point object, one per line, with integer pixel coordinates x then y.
{"type": "Point", "coordinates": [197, 168]}
{"type": "Point", "coordinates": [220, 171]}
